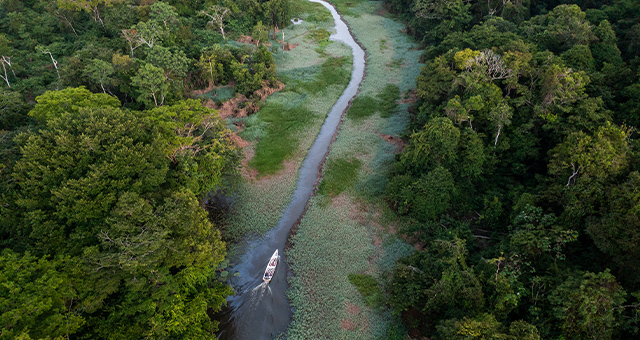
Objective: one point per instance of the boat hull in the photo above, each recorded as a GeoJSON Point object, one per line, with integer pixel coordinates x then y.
{"type": "Point", "coordinates": [271, 267]}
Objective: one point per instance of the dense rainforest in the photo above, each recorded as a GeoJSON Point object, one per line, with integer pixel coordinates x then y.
{"type": "Point", "coordinates": [106, 161]}
{"type": "Point", "coordinates": [520, 176]}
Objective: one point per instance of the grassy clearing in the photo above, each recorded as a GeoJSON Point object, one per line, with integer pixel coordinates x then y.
{"type": "Point", "coordinates": [350, 232]}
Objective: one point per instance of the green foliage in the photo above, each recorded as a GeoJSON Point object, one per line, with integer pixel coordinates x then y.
{"type": "Point", "coordinates": [362, 107]}
{"type": "Point", "coordinates": [54, 104]}
{"type": "Point", "coordinates": [588, 308]}
{"type": "Point", "coordinates": [320, 36]}
{"type": "Point", "coordinates": [279, 142]}
{"type": "Point", "coordinates": [151, 84]}
{"type": "Point", "coordinates": [339, 175]}
{"type": "Point", "coordinates": [530, 110]}
{"type": "Point", "coordinates": [37, 298]}
{"type": "Point", "coordinates": [368, 288]}
{"type": "Point", "coordinates": [116, 204]}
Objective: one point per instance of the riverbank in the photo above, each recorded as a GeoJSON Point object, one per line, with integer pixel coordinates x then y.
{"type": "Point", "coordinates": [345, 229]}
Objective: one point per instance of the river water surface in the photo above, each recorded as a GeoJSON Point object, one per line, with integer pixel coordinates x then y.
{"type": "Point", "coordinates": [259, 310]}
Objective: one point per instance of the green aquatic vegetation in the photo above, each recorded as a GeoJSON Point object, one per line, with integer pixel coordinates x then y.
{"type": "Point", "coordinates": [368, 288]}
{"type": "Point", "coordinates": [339, 175]}
{"type": "Point", "coordinates": [280, 123]}
{"type": "Point", "coordinates": [334, 71]}
{"type": "Point", "coordinates": [388, 98]}
{"type": "Point", "coordinates": [362, 107]}
{"type": "Point", "coordinates": [320, 36]}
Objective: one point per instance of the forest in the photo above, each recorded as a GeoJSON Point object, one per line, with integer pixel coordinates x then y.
{"type": "Point", "coordinates": [106, 161]}
{"type": "Point", "coordinates": [520, 174]}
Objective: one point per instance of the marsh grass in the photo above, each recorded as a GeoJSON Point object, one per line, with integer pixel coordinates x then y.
{"type": "Point", "coordinates": [387, 99]}
{"type": "Point", "coordinates": [339, 175]}
{"type": "Point", "coordinates": [259, 202]}
{"type": "Point", "coordinates": [362, 107]}
{"type": "Point", "coordinates": [368, 288]}
{"type": "Point", "coordinates": [276, 130]}
{"type": "Point", "coordinates": [334, 71]}
{"type": "Point", "coordinates": [350, 232]}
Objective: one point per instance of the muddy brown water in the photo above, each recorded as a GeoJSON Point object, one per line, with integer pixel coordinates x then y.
{"type": "Point", "coordinates": [259, 310]}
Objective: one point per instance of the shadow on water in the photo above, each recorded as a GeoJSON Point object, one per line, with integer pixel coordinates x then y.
{"type": "Point", "coordinates": [260, 310]}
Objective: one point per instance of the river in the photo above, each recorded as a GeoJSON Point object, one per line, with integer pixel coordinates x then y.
{"type": "Point", "coordinates": [259, 310]}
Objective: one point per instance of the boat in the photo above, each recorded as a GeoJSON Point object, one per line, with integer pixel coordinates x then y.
{"type": "Point", "coordinates": [271, 267]}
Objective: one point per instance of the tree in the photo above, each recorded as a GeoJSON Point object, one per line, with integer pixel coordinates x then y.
{"type": "Point", "coordinates": [259, 33]}
{"type": "Point", "coordinates": [91, 6]}
{"type": "Point", "coordinates": [37, 299]}
{"type": "Point", "coordinates": [99, 71]}
{"type": "Point", "coordinates": [53, 60]}
{"type": "Point", "coordinates": [217, 14]}
{"type": "Point", "coordinates": [589, 306]}
{"type": "Point", "coordinates": [151, 84]}
{"type": "Point", "coordinates": [174, 63]}
{"type": "Point", "coordinates": [616, 229]}
{"type": "Point", "coordinates": [164, 13]}
{"type": "Point", "coordinates": [600, 156]}
{"type": "Point", "coordinates": [5, 59]}
{"type": "Point", "coordinates": [54, 104]}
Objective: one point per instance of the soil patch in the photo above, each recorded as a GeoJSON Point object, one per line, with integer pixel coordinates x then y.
{"type": "Point", "coordinates": [412, 97]}
{"type": "Point", "coordinates": [287, 46]}
{"type": "Point", "coordinates": [247, 171]}
{"type": "Point", "coordinates": [241, 106]}
{"type": "Point", "coordinates": [249, 40]}
{"type": "Point", "coordinates": [348, 325]}
{"type": "Point", "coordinates": [393, 140]}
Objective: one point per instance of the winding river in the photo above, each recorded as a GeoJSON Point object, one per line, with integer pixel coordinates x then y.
{"type": "Point", "coordinates": [261, 311]}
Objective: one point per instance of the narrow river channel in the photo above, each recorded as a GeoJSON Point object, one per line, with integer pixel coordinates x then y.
{"type": "Point", "coordinates": [261, 311]}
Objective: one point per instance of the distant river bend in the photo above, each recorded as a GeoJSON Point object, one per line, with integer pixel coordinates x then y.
{"type": "Point", "coordinates": [260, 311]}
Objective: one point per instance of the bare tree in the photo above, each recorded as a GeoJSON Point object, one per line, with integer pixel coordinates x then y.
{"type": "Point", "coordinates": [53, 61]}
{"type": "Point", "coordinates": [131, 36]}
{"type": "Point", "coordinates": [496, 68]}
{"type": "Point", "coordinates": [6, 61]}
{"type": "Point", "coordinates": [217, 14]}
